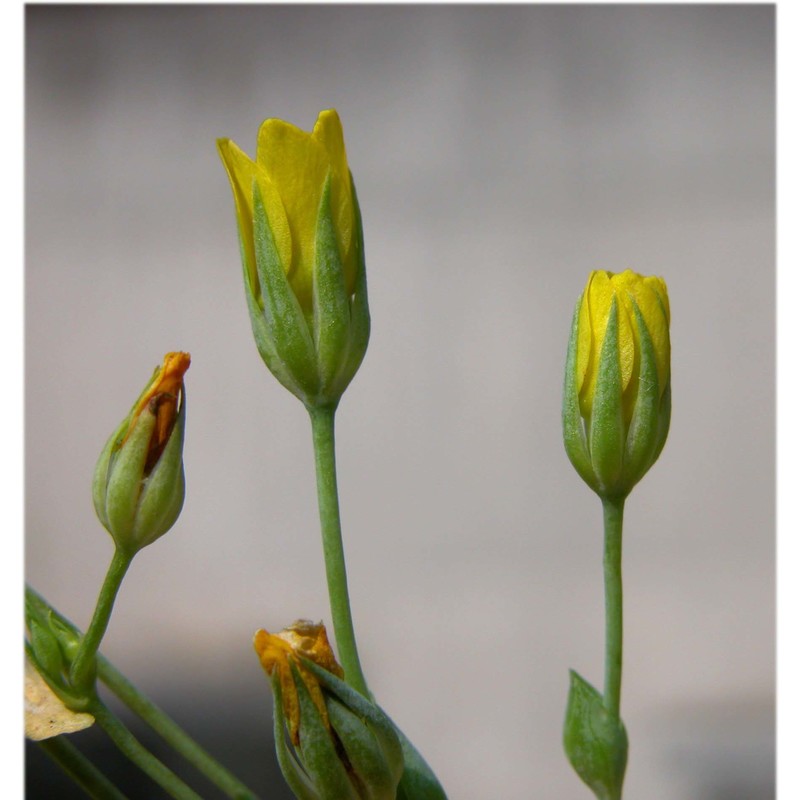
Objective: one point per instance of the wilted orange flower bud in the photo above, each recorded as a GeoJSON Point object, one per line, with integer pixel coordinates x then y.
{"type": "Point", "coordinates": [279, 651]}
{"type": "Point", "coordinates": [138, 483]}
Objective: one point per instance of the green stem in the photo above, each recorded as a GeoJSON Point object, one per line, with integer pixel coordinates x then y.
{"type": "Point", "coordinates": [612, 568]}
{"type": "Point", "coordinates": [80, 769]}
{"type": "Point", "coordinates": [130, 747]}
{"type": "Point", "coordinates": [82, 671]}
{"type": "Point", "coordinates": [322, 428]}
{"type": "Point", "coordinates": [171, 732]}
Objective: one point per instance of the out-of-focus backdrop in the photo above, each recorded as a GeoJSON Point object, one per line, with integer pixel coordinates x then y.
{"type": "Point", "coordinates": [500, 154]}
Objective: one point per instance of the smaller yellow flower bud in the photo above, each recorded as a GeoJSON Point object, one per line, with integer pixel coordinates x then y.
{"type": "Point", "coordinates": [617, 396]}
{"type": "Point", "coordinates": [138, 485]}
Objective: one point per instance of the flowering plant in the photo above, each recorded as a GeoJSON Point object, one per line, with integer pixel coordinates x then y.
{"type": "Point", "coordinates": [304, 274]}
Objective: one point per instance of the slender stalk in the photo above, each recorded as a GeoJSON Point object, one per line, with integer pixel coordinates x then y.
{"type": "Point", "coordinates": [130, 747]}
{"type": "Point", "coordinates": [612, 567]}
{"type": "Point", "coordinates": [80, 769]}
{"type": "Point", "coordinates": [171, 732]}
{"type": "Point", "coordinates": [322, 428]}
{"type": "Point", "coordinates": [81, 673]}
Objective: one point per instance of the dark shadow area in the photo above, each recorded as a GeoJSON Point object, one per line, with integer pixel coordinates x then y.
{"type": "Point", "coordinates": [241, 741]}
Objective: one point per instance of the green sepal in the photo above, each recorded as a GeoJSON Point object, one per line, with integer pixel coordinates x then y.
{"type": "Point", "coordinates": [103, 469]}
{"type": "Point", "coordinates": [293, 773]}
{"type": "Point", "coordinates": [607, 429]}
{"type": "Point", "coordinates": [331, 302]}
{"type": "Point", "coordinates": [261, 332]}
{"type": "Point", "coordinates": [126, 470]}
{"type": "Point", "coordinates": [373, 774]}
{"type": "Point", "coordinates": [644, 428]}
{"type": "Point", "coordinates": [285, 324]}
{"type": "Point", "coordinates": [419, 781]}
{"type": "Point", "coordinates": [370, 715]}
{"type": "Point", "coordinates": [163, 490]}
{"type": "Point", "coordinates": [359, 308]}
{"type": "Point", "coordinates": [572, 422]}
{"type": "Point", "coordinates": [595, 740]}
{"type": "Point", "coordinates": [664, 415]}
{"type": "Point", "coordinates": [318, 751]}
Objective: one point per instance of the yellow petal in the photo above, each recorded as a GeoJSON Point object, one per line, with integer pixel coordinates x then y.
{"type": "Point", "coordinates": [165, 385]}
{"type": "Point", "coordinates": [653, 296]}
{"type": "Point", "coordinates": [328, 132]}
{"type": "Point", "coordinates": [297, 165]}
{"type": "Point", "coordinates": [598, 295]}
{"type": "Point", "coordinates": [584, 353]}
{"type": "Point", "coordinates": [650, 294]}
{"type": "Point", "coordinates": [243, 174]}
{"type": "Point", "coordinates": [624, 284]}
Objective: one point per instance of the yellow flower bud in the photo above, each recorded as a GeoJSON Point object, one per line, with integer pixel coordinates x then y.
{"type": "Point", "coordinates": [650, 295]}
{"type": "Point", "coordinates": [617, 395]}
{"type": "Point", "coordinates": [290, 169]}
{"type": "Point", "coordinates": [302, 254]}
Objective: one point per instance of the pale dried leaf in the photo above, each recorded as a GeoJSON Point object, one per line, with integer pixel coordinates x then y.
{"type": "Point", "coordinates": [45, 714]}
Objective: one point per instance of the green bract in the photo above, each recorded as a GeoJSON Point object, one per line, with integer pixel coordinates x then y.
{"type": "Point", "coordinates": [595, 740]}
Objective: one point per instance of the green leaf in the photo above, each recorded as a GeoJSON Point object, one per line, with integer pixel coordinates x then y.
{"type": "Point", "coordinates": [595, 740]}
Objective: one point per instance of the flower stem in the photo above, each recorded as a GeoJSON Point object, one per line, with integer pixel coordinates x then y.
{"type": "Point", "coordinates": [322, 428]}
{"type": "Point", "coordinates": [80, 769]}
{"type": "Point", "coordinates": [82, 671]}
{"type": "Point", "coordinates": [171, 732]}
{"type": "Point", "coordinates": [612, 567]}
{"type": "Point", "coordinates": [130, 747]}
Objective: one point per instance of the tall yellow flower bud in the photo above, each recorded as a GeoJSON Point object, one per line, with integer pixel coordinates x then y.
{"type": "Point", "coordinates": [617, 382]}
{"type": "Point", "coordinates": [302, 254]}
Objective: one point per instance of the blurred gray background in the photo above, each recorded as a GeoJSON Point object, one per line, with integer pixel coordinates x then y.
{"type": "Point", "coordinates": [500, 154]}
